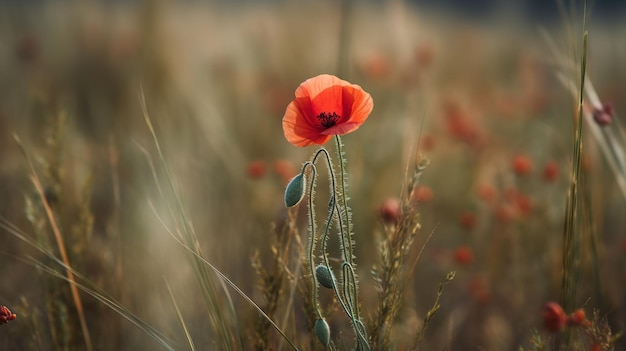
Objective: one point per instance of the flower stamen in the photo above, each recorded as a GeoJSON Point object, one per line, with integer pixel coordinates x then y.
{"type": "Point", "coordinates": [327, 119]}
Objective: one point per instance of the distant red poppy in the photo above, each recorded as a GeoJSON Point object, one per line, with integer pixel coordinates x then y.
{"type": "Point", "coordinates": [524, 204]}
{"type": "Point", "coordinates": [463, 255]}
{"type": "Point", "coordinates": [6, 315]}
{"type": "Point", "coordinates": [551, 171]}
{"type": "Point", "coordinates": [522, 165]}
{"type": "Point", "coordinates": [578, 317]}
{"type": "Point", "coordinates": [390, 210]}
{"type": "Point", "coordinates": [554, 318]}
{"type": "Point", "coordinates": [256, 169]}
{"type": "Point", "coordinates": [427, 142]}
{"type": "Point", "coordinates": [479, 291]}
{"type": "Point", "coordinates": [467, 220]}
{"type": "Point", "coordinates": [324, 106]}
{"type": "Point", "coordinates": [486, 193]}
{"type": "Point", "coordinates": [422, 194]}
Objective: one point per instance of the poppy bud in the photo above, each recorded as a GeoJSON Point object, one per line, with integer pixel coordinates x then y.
{"type": "Point", "coordinates": [295, 190]}
{"type": "Point", "coordinates": [324, 276]}
{"type": "Point", "coordinates": [322, 331]}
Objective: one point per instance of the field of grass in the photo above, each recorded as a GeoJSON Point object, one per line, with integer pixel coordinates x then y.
{"type": "Point", "coordinates": [142, 150]}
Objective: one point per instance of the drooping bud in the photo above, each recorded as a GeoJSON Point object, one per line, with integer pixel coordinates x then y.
{"type": "Point", "coordinates": [322, 331]}
{"type": "Point", "coordinates": [295, 190]}
{"type": "Point", "coordinates": [324, 276]}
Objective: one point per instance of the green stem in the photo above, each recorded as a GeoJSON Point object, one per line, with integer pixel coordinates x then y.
{"type": "Point", "coordinates": [338, 204]}
{"type": "Point", "coordinates": [332, 209]}
{"type": "Point", "coordinates": [312, 237]}
{"type": "Point", "coordinates": [346, 225]}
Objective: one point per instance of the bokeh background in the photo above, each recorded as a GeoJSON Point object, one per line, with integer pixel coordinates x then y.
{"type": "Point", "coordinates": [474, 88]}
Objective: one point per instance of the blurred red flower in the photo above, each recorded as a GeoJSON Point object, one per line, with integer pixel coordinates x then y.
{"type": "Point", "coordinates": [551, 171]}
{"type": "Point", "coordinates": [504, 213]}
{"type": "Point", "coordinates": [522, 165]}
{"type": "Point", "coordinates": [479, 291]}
{"type": "Point", "coordinates": [390, 210]}
{"type": "Point", "coordinates": [487, 193]}
{"type": "Point", "coordinates": [604, 115]}
{"type": "Point", "coordinates": [467, 220]}
{"type": "Point", "coordinates": [579, 317]}
{"type": "Point", "coordinates": [422, 194]}
{"type": "Point", "coordinates": [6, 315]}
{"type": "Point", "coordinates": [427, 142]}
{"type": "Point", "coordinates": [463, 255]}
{"type": "Point", "coordinates": [460, 125]}
{"type": "Point", "coordinates": [256, 169]}
{"type": "Point", "coordinates": [554, 318]}
{"type": "Point", "coordinates": [524, 204]}
{"type": "Point", "coordinates": [324, 106]}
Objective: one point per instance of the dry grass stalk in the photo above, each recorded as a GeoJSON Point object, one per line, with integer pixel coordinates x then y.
{"type": "Point", "coordinates": [389, 275]}
{"type": "Point", "coordinates": [85, 223]}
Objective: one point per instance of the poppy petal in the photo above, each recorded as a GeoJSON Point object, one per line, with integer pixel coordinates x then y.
{"type": "Point", "coordinates": [341, 129]}
{"type": "Point", "coordinates": [329, 100]}
{"type": "Point", "coordinates": [312, 87]}
{"type": "Point", "coordinates": [362, 104]}
{"type": "Point", "coordinates": [297, 131]}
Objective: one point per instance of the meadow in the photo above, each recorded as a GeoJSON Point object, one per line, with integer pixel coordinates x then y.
{"type": "Point", "coordinates": [142, 152]}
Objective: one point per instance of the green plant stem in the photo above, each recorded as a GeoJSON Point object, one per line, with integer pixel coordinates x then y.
{"type": "Point", "coordinates": [332, 209]}
{"type": "Point", "coordinates": [346, 228]}
{"type": "Point", "coordinates": [348, 298]}
{"type": "Point", "coordinates": [312, 237]}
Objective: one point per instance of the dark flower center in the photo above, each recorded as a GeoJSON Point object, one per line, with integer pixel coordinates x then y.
{"type": "Point", "coordinates": [328, 119]}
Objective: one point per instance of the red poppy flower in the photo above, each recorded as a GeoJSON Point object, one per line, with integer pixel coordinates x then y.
{"type": "Point", "coordinates": [324, 106]}
{"type": "Point", "coordinates": [554, 318]}
{"type": "Point", "coordinates": [463, 255]}
{"type": "Point", "coordinates": [390, 210]}
{"type": "Point", "coordinates": [256, 169]}
{"type": "Point", "coordinates": [551, 171]}
{"type": "Point", "coordinates": [522, 165]}
{"type": "Point", "coordinates": [6, 315]}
